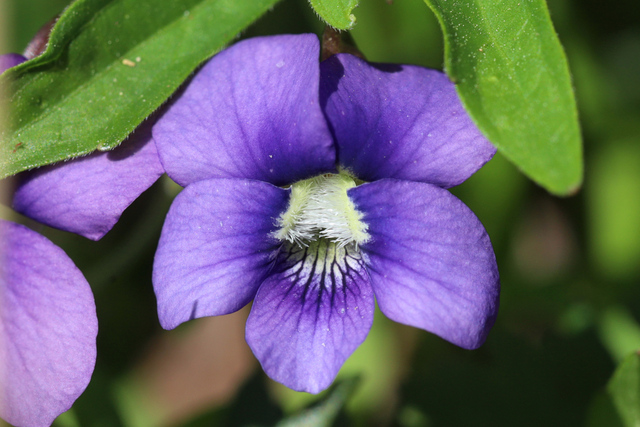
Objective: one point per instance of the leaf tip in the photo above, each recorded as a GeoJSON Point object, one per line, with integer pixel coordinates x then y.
{"type": "Point", "coordinates": [338, 14]}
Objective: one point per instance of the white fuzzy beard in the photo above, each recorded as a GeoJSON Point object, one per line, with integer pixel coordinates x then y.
{"type": "Point", "coordinates": [320, 208]}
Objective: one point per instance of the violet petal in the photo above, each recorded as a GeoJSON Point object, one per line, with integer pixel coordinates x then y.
{"type": "Point", "coordinates": [251, 112]}
{"type": "Point", "coordinates": [9, 60]}
{"type": "Point", "coordinates": [430, 260]}
{"type": "Point", "coordinates": [400, 121]}
{"type": "Point", "coordinates": [87, 195]}
{"type": "Point", "coordinates": [216, 248]}
{"type": "Point", "coordinates": [309, 316]}
{"type": "Point", "coordinates": [48, 328]}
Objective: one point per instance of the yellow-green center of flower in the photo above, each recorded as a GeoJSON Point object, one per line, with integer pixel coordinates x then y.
{"type": "Point", "coordinates": [319, 208]}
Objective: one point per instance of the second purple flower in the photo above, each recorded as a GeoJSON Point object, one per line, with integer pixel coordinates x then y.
{"type": "Point", "coordinates": [313, 189]}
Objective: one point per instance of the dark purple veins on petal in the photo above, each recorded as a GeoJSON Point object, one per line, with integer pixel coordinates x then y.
{"type": "Point", "coordinates": [311, 313]}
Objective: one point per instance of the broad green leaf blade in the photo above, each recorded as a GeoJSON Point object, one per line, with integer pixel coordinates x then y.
{"type": "Point", "coordinates": [513, 78]}
{"type": "Point", "coordinates": [336, 13]}
{"type": "Point", "coordinates": [109, 65]}
{"type": "Point", "coordinates": [624, 389]}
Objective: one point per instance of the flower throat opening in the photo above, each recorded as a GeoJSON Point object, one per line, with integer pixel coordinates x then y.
{"type": "Point", "coordinates": [319, 208]}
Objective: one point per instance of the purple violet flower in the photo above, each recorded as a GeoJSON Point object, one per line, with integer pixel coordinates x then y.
{"type": "Point", "coordinates": [48, 328]}
{"type": "Point", "coordinates": [271, 145]}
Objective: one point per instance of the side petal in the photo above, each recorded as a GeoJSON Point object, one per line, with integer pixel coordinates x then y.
{"type": "Point", "coordinates": [87, 195]}
{"type": "Point", "coordinates": [311, 313]}
{"type": "Point", "coordinates": [216, 247]}
{"type": "Point", "coordinates": [400, 121]}
{"type": "Point", "coordinates": [48, 328]}
{"type": "Point", "coordinates": [251, 112]}
{"type": "Point", "coordinates": [430, 260]}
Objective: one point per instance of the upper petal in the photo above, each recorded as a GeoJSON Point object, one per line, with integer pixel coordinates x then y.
{"type": "Point", "coordinates": [216, 248]}
{"type": "Point", "coordinates": [311, 313]}
{"type": "Point", "coordinates": [87, 195]}
{"type": "Point", "coordinates": [400, 121]}
{"type": "Point", "coordinates": [251, 112]}
{"type": "Point", "coordinates": [48, 328]}
{"type": "Point", "coordinates": [430, 260]}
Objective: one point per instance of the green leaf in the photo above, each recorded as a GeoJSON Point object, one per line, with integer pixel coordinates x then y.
{"type": "Point", "coordinates": [108, 66]}
{"type": "Point", "coordinates": [324, 413]}
{"type": "Point", "coordinates": [513, 78]}
{"type": "Point", "coordinates": [336, 13]}
{"type": "Point", "coordinates": [624, 389]}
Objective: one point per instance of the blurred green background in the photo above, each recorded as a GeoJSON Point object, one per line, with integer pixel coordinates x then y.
{"type": "Point", "coordinates": [570, 268]}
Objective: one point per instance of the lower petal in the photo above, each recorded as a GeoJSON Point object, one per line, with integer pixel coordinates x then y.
{"type": "Point", "coordinates": [216, 248]}
{"type": "Point", "coordinates": [311, 313]}
{"type": "Point", "coordinates": [87, 195]}
{"type": "Point", "coordinates": [430, 260]}
{"type": "Point", "coordinates": [48, 328]}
